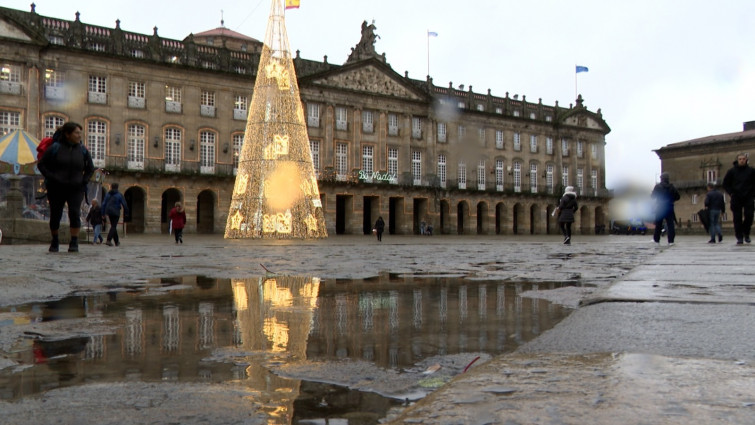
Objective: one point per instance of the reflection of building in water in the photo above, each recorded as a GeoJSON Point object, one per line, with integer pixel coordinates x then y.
{"type": "Point", "coordinates": [400, 322]}
{"type": "Point", "coordinates": [133, 334]}
{"type": "Point", "coordinates": [170, 334]}
{"type": "Point", "coordinates": [275, 316]}
{"type": "Point", "coordinates": [206, 325]}
{"type": "Point", "coordinates": [171, 328]}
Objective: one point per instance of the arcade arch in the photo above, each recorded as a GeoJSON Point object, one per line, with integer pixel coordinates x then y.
{"type": "Point", "coordinates": [206, 211]}
{"type": "Point", "coordinates": [135, 197]}
{"type": "Point", "coordinates": [169, 199]}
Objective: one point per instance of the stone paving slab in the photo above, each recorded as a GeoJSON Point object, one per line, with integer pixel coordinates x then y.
{"type": "Point", "coordinates": [592, 389]}
{"type": "Point", "coordinates": [689, 272]}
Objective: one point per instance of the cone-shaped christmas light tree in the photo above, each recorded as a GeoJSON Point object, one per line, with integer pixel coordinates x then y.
{"type": "Point", "coordinates": [276, 193]}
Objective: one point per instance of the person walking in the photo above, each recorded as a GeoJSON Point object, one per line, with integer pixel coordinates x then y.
{"type": "Point", "coordinates": [665, 194]}
{"type": "Point", "coordinates": [715, 204]}
{"type": "Point", "coordinates": [94, 217]}
{"type": "Point", "coordinates": [567, 206]}
{"type": "Point", "coordinates": [379, 227]}
{"type": "Point", "coordinates": [178, 221]}
{"type": "Point", "coordinates": [111, 207]}
{"type": "Point", "coordinates": [739, 183]}
{"type": "Point", "coordinates": [67, 167]}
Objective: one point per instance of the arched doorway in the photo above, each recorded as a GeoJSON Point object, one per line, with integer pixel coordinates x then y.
{"type": "Point", "coordinates": [462, 212]}
{"type": "Point", "coordinates": [535, 220]}
{"type": "Point", "coordinates": [500, 218]}
{"type": "Point", "coordinates": [169, 199]}
{"type": "Point", "coordinates": [420, 215]}
{"type": "Point", "coordinates": [600, 221]}
{"type": "Point", "coordinates": [135, 199]}
{"type": "Point", "coordinates": [445, 210]}
{"type": "Point", "coordinates": [584, 225]}
{"type": "Point", "coordinates": [396, 216]}
{"type": "Point", "coordinates": [518, 218]}
{"type": "Point", "coordinates": [551, 225]}
{"type": "Point", "coordinates": [206, 211]}
{"type": "Point", "coordinates": [482, 218]}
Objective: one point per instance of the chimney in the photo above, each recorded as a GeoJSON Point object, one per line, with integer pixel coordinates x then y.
{"type": "Point", "coordinates": [749, 125]}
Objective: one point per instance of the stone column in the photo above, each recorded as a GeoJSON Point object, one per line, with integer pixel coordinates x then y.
{"type": "Point", "coordinates": [14, 198]}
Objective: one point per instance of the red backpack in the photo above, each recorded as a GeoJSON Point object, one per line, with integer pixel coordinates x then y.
{"type": "Point", "coordinates": [42, 148]}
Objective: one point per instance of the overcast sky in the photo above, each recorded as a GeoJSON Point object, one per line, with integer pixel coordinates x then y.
{"type": "Point", "coordinates": [661, 71]}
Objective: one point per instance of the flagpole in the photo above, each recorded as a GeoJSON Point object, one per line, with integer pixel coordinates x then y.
{"type": "Point", "coordinates": [575, 82]}
{"type": "Point", "coordinates": [428, 51]}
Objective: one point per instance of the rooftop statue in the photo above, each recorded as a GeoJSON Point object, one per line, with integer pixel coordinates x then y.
{"type": "Point", "coordinates": [366, 47]}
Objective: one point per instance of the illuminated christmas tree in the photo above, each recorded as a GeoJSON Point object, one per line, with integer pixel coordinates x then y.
{"type": "Point", "coordinates": [276, 193]}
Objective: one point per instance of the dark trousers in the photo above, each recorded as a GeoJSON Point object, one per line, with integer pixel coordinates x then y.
{"type": "Point", "coordinates": [179, 233]}
{"type": "Point", "coordinates": [112, 235]}
{"type": "Point", "coordinates": [741, 214]}
{"type": "Point", "coordinates": [379, 235]}
{"type": "Point", "coordinates": [715, 224]}
{"type": "Point", "coordinates": [566, 229]}
{"type": "Point", "coordinates": [59, 196]}
{"type": "Point", "coordinates": [670, 229]}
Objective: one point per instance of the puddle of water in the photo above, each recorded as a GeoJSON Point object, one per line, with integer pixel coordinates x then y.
{"type": "Point", "coordinates": [196, 329]}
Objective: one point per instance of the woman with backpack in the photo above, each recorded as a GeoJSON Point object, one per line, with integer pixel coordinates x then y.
{"type": "Point", "coordinates": [111, 207]}
{"type": "Point", "coordinates": [67, 166]}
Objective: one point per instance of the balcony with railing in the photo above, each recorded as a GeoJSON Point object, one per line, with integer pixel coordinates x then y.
{"type": "Point", "coordinates": [240, 114]}
{"type": "Point", "coordinates": [10, 87]}
{"type": "Point", "coordinates": [137, 102]}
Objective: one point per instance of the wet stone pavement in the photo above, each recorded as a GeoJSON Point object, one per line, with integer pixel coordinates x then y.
{"type": "Point", "coordinates": [663, 335]}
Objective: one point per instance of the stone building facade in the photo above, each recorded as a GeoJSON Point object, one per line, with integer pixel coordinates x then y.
{"type": "Point", "coordinates": [166, 118]}
{"type": "Point", "coordinates": [693, 164]}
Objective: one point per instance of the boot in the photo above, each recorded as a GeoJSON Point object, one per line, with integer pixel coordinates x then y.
{"type": "Point", "coordinates": [54, 244]}
{"type": "Point", "coordinates": [73, 246]}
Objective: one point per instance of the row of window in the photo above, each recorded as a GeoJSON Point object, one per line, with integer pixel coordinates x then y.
{"type": "Point", "coordinates": [96, 135]}
{"type": "Point", "coordinates": [498, 109]}
{"type": "Point", "coordinates": [515, 171]}
{"type": "Point", "coordinates": [342, 122]}
{"type": "Point", "coordinates": [97, 92]}
{"type": "Point", "coordinates": [516, 141]}
{"type": "Point", "coordinates": [173, 96]}
{"type": "Point", "coordinates": [342, 169]}
{"type": "Point", "coordinates": [368, 120]}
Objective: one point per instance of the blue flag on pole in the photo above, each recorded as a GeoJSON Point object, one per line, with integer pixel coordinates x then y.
{"type": "Point", "coordinates": [581, 69]}
{"type": "Point", "coordinates": [432, 34]}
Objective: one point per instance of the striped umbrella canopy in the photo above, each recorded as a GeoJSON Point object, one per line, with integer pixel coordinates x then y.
{"type": "Point", "coordinates": [18, 147]}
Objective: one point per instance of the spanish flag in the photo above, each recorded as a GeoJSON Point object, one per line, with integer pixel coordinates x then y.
{"type": "Point", "coordinates": [292, 4]}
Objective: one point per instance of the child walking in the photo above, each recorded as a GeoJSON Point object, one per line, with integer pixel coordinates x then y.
{"type": "Point", "coordinates": [178, 221]}
{"type": "Point", "coordinates": [94, 217]}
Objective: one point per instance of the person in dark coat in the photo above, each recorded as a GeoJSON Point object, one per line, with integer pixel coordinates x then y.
{"type": "Point", "coordinates": [111, 207]}
{"type": "Point", "coordinates": [567, 206]}
{"type": "Point", "coordinates": [67, 166]}
{"type": "Point", "coordinates": [739, 183]}
{"type": "Point", "coordinates": [94, 217]}
{"type": "Point", "coordinates": [715, 205]}
{"type": "Point", "coordinates": [177, 217]}
{"type": "Point", "coordinates": [379, 228]}
{"type": "Point", "coordinates": [665, 194]}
